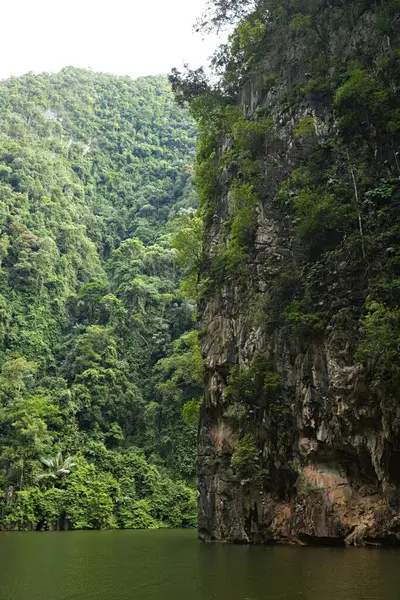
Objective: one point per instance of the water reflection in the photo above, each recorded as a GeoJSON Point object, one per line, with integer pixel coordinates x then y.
{"type": "Point", "coordinates": [173, 565]}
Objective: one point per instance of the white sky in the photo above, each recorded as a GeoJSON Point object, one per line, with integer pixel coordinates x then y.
{"type": "Point", "coordinates": [125, 37]}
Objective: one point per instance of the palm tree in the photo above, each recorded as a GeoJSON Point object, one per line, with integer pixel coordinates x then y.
{"type": "Point", "coordinates": [57, 466]}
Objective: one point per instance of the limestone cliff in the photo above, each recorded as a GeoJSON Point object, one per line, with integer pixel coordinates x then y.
{"type": "Point", "coordinates": [300, 427]}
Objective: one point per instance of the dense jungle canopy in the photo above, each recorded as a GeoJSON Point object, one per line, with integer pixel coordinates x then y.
{"type": "Point", "coordinates": [98, 354]}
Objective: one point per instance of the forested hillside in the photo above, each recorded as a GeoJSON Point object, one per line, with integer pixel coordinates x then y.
{"type": "Point", "coordinates": [97, 351]}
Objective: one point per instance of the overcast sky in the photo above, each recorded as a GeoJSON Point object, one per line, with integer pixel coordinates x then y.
{"type": "Point", "coordinates": [127, 37]}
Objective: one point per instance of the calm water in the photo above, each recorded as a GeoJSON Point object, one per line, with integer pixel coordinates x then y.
{"type": "Point", "coordinates": [173, 565]}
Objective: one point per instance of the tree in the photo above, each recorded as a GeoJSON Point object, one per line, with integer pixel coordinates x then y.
{"type": "Point", "coordinates": [56, 467]}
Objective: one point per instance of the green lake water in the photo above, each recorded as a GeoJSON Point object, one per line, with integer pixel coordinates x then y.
{"type": "Point", "coordinates": [173, 565]}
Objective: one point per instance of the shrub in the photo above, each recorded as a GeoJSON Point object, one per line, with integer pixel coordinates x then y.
{"type": "Point", "coordinates": [250, 136]}
{"type": "Point", "coordinates": [305, 127]}
{"type": "Point", "coordinates": [191, 410]}
{"type": "Point", "coordinates": [272, 381]}
{"type": "Point", "coordinates": [300, 322]}
{"type": "Point", "coordinates": [317, 212]}
{"type": "Point", "coordinates": [379, 347]}
{"type": "Point", "coordinates": [243, 221]}
{"type": "Point", "coordinates": [89, 498]}
{"type": "Point", "coordinates": [22, 514]}
{"type": "Point", "coordinates": [359, 102]}
{"type": "Point", "coordinates": [240, 386]}
{"type": "Point", "coordinates": [245, 458]}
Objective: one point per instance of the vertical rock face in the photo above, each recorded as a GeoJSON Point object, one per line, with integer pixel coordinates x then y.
{"type": "Point", "coordinates": [299, 438]}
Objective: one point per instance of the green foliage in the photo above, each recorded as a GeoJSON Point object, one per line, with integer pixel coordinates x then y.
{"type": "Point", "coordinates": [15, 375]}
{"type": "Point", "coordinates": [245, 458]}
{"type": "Point", "coordinates": [183, 373]}
{"type": "Point", "coordinates": [23, 514]}
{"type": "Point", "coordinates": [272, 381]}
{"type": "Point", "coordinates": [247, 384]}
{"type": "Point", "coordinates": [187, 240]}
{"type": "Point", "coordinates": [322, 208]}
{"type": "Point", "coordinates": [300, 322]}
{"type": "Point", "coordinates": [379, 347]}
{"type": "Point", "coordinates": [207, 180]}
{"type": "Point", "coordinates": [266, 309]}
{"type": "Point", "coordinates": [57, 466]}
{"type": "Point", "coordinates": [241, 386]}
{"type": "Point", "coordinates": [191, 411]}
{"type": "Point", "coordinates": [300, 22]}
{"type": "Point", "coordinates": [250, 136]}
{"type": "Point", "coordinates": [89, 498]}
{"type": "Point", "coordinates": [243, 217]}
{"type": "Point", "coordinates": [305, 127]}
{"type": "Point", "coordinates": [114, 489]}
{"type": "Point", "coordinates": [93, 170]}
{"type": "Point", "coordinates": [360, 101]}
{"type": "Point", "coordinates": [387, 18]}
{"type": "Point", "coordinates": [185, 365]}
{"type": "Point", "coordinates": [316, 214]}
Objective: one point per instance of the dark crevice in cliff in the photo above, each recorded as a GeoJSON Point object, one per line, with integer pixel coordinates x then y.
{"type": "Point", "coordinates": [394, 465]}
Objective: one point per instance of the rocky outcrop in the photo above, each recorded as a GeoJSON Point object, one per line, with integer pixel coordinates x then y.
{"type": "Point", "coordinates": [296, 443]}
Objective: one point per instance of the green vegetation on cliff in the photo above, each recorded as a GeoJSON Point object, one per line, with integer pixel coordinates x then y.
{"type": "Point", "coordinates": [300, 141]}
{"type": "Point", "coordinates": [97, 356]}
